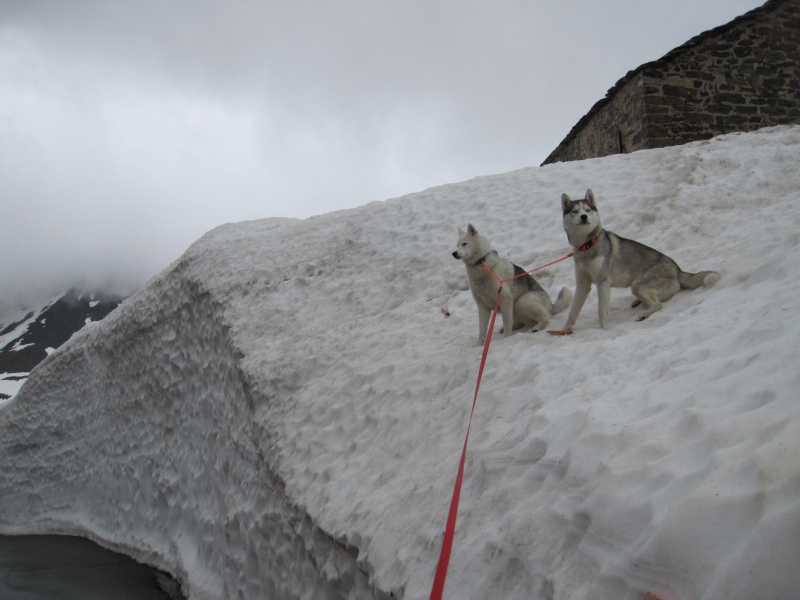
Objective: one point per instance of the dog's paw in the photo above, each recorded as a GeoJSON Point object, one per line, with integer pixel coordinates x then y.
{"type": "Point", "coordinates": [642, 317]}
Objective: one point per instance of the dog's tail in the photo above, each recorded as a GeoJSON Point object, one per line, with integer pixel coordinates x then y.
{"type": "Point", "coordinates": [563, 301]}
{"type": "Point", "coordinates": [690, 281]}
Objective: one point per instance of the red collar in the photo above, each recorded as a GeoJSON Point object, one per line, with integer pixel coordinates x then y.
{"type": "Point", "coordinates": [587, 245]}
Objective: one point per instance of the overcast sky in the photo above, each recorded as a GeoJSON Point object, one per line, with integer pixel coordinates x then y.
{"type": "Point", "coordinates": [130, 128]}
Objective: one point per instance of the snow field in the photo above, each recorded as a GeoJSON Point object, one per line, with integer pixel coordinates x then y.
{"type": "Point", "coordinates": [281, 412]}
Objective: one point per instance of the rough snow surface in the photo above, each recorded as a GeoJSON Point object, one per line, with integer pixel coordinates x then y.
{"type": "Point", "coordinates": [281, 412]}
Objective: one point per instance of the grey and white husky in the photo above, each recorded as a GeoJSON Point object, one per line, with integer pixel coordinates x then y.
{"type": "Point", "coordinates": [607, 260]}
{"type": "Point", "coordinates": [524, 304]}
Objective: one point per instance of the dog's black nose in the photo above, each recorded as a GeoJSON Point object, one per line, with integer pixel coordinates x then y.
{"type": "Point", "coordinates": [455, 254]}
{"type": "Point", "coordinates": [584, 218]}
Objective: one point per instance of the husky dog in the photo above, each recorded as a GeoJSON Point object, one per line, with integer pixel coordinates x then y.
{"type": "Point", "coordinates": [608, 260]}
{"type": "Point", "coordinates": [523, 302]}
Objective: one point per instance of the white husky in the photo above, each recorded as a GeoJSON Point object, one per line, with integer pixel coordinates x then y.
{"type": "Point", "coordinates": [608, 260]}
{"type": "Point", "coordinates": [523, 302]}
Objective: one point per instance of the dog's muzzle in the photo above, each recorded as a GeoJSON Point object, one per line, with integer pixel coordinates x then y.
{"type": "Point", "coordinates": [455, 254]}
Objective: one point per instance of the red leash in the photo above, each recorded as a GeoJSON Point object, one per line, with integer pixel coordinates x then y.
{"type": "Point", "coordinates": [450, 528]}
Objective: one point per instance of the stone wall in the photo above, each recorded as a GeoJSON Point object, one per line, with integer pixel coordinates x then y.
{"type": "Point", "coordinates": [738, 77]}
{"type": "Point", "coordinates": [614, 127]}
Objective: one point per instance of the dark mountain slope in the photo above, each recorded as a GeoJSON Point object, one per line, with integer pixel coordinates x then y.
{"type": "Point", "coordinates": [47, 328]}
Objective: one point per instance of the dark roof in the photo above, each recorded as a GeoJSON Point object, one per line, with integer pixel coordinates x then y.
{"type": "Point", "coordinates": [669, 56]}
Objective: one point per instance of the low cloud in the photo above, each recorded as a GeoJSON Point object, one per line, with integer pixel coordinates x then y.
{"type": "Point", "coordinates": [130, 129]}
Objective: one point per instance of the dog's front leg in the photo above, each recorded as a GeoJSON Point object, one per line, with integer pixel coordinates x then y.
{"type": "Point", "coordinates": [582, 288]}
{"type": "Point", "coordinates": [603, 301]}
{"type": "Point", "coordinates": [483, 323]}
{"type": "Point", "coordinates": [507, 310]}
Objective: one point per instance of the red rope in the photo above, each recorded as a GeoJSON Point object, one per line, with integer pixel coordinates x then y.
{"type": "Point", "coordinates": [583, 248]}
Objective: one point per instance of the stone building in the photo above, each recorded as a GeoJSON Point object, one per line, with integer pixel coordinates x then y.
{"type": "Point", "coordinates": [737, 77]}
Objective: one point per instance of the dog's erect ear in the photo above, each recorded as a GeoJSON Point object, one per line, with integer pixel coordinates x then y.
{"type": "Point", "coordinates": [471, 229]}
{"type": "Point", "coordinates": [566, 201]}
{"type": "Point", "coordinates": [460, 232]}
{"type": "Point", "coordinates": [590, 199]}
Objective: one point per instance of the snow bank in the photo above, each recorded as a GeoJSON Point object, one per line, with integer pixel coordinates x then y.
{"type": "Point", "coordinates": [281, 412]}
